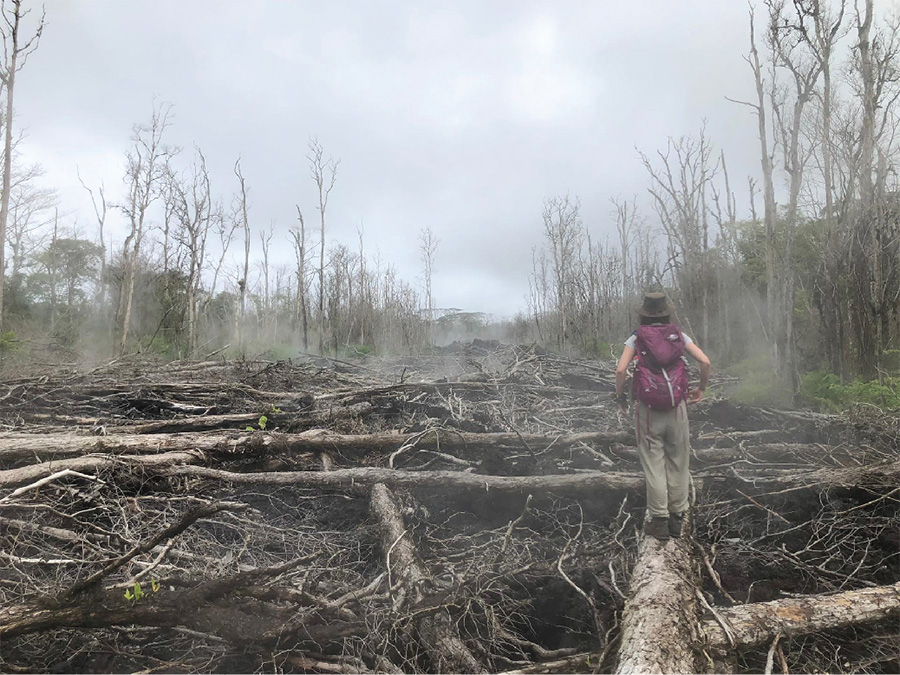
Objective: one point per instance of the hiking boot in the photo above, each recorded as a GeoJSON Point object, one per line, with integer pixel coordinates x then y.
{"type": "Point", "coordinates": [676, 520]}
{"type": "Point", "coordinates": [658, 528]}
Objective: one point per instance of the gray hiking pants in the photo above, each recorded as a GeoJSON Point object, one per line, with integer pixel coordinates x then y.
{"type": "Point", "coordinates": [664, 446]}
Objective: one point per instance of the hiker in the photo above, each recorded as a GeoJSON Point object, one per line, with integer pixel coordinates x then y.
{"type": "Point", "coordinates": [661, 393]}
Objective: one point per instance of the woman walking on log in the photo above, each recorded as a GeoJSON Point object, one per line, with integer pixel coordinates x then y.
{"type": "Point", "coordinates": [661, 394]}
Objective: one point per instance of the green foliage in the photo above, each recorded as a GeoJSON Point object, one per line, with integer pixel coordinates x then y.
{"type": "Point", "coordinates": [595, 347]}
{"type": "Point", "coordinates": [825, 391]}
{"type": "Point", "coordinates": [64, 270]}
{"type": "Point", "coordinates": [461, 325]}
{"type": "Point", "coordinates": [8, 342]}
{"type": "Point", "coordinates": [891, 360]}
{"type": "Point", "coordinates": [136, 592]}
{"type": "Point", "coordinates": [280, 352]}
{"type": "Point", "coordinates": [760, 384]}
{"type": "Point", "coordinates": [263, 421]}
{"type": "Point", "coordinates": [357, 351]}
{"type": "Point", "coordinates": [161, 346]}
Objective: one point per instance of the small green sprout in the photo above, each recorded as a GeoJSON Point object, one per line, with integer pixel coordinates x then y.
{"type": "Point", "coordinates": [261, 423]}
{"type": "Point", "coordinates": [135, 593]}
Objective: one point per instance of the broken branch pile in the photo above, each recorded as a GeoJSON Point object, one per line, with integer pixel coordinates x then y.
{"type": "Point", "coordinates": [477, 510]}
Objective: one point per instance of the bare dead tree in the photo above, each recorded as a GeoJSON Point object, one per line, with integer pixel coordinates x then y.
{"type": "Point", "coordinates": [821, 27]}
{"type": "Point", "coordinates": [301, 320]}
{"type": "Point", "coordinates": [98, 202]}
{"type": "Point", "coordinates": [16, 51]}
{"type": "Point", "coordinates": [428, 244]}
{"type": "Point", "coordinates": [365, 310]}
{"type": "Point", "coordinates": [768, 188]}
{"type": "Point", "coordinates": [678, 188]}
{"type": "Point", "coordinates": [146, 170]}
{"type": "Point", "coordinates": [625, 212]}
{"type": "Point", "coordinates": [324, 173]}
{"type": "Point", "coordinates": [785, 37]}
{"type": "Point", "coordinates": [265, 242]}
{"type": "Point", "coordinates": [873, 242]}
{"type": "Point", "coordinates": [242, 282]}
{"type": "Point", "coordinates": [193, 209]}
{"type": "Point", "coordinates": [564, 233]}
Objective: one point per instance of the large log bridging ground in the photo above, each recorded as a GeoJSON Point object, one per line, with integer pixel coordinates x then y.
{"type": "Point", "coordinates": [659, 623]}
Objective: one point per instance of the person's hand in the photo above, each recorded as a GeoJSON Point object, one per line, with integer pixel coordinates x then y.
{"type": "Point", "coordinates": [622, 402]}
{"type": "Point", "coordinates": [695, 396]}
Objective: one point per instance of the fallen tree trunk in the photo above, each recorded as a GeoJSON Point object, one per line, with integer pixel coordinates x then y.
{"type": "Point", "coordinates": [446, 651]}
{"type": "Point", "coordinates": [659, 623]}
{"type": "Point", "coordinates": [27, 474]}
{"type": "Point", "coordinates": [794, 454]}
{"type": "Point", "coordinates": [588, 482]}
{"type": "Point", "coordinates": [294, 421]}
{"type": "Point", "coordinates": [23, 447]}
{"type": "Point", "coordinates": [486, 388]}
{"type": "Point", "coordinates": [839, 477]}
{"type": "Point", "coordinates": [19, 448]}
{"type": "Point", "coordinates": [760, 622]}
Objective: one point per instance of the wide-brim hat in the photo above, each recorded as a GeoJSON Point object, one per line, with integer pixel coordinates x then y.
{"type": "Point", "coordinates": [655, 305]}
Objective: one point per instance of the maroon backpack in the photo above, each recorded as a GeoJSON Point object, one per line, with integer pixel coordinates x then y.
{"type": "Point", "coordinates": [661, 375]}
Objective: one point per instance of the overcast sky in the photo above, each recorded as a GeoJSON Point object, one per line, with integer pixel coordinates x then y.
{"type": "Point", "coordinates": [461, 116]}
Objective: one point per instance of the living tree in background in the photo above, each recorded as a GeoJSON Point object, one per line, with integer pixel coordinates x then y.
{"type": "Point", "coordinates": [31, 210]}
{"type": "Point", "coordinates": [16, 50]}
{"type": "Point", "coordinates": [66, 269]}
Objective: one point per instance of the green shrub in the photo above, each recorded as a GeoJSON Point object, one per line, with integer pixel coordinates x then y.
{"type": "Point", "coordinates": [760, 384]}
{"type": "Point", "coordinates": [824, 390]}
{"type": "Point", "coordinates": [8, 342]}
{"type": "Point", "coordinates": [593, 347]}
{"type": "Point", "coordinates": [357, 351]}
{"type": "Point", "coordinates": [280, 352]}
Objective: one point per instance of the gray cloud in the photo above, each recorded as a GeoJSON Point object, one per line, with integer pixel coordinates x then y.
{"type": "Point", "coordinates": [460, 116]}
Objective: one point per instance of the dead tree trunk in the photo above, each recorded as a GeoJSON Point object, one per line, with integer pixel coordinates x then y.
{"type": "Point", "coordinates": [447, 652]}
{"type": "Point", "coordinates": [760, 622]}
{"type": "Point", "coordinates": [154, 437]}
{"type": "Point", "coordinates": [348, 479]}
